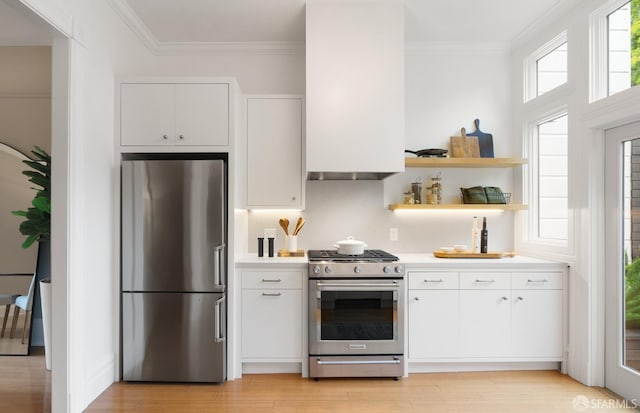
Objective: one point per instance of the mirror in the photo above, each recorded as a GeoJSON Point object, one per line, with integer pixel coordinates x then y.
{"type": "Point", "coordinates": [17, 265]}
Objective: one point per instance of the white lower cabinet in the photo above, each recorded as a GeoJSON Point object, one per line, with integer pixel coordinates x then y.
{"type": "Point", "coordinates": [272, 316]}
{"type": "Point", "coordinates": [471, 316]}
{"type": "Point", "coordinates": [433, 314]}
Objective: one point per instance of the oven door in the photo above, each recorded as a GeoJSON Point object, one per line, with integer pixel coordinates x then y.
{"type": "Point", "coordinates": [356, 317]}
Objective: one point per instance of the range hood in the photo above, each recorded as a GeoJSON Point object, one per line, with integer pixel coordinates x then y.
{"type": "Point", "coordinates": [355, 89]}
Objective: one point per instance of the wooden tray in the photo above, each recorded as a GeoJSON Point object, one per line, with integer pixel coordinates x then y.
{"type": "Point", "coordinates": [287, 253]}
{"type": "Point", "coordinates": [491, 254]}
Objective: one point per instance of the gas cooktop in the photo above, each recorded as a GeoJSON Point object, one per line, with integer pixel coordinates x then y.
{"type": "Point", "coordinates": [367, 256]}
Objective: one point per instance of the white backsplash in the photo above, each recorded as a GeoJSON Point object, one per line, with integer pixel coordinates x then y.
{"type": "Point", "coordinates": [337, 209]}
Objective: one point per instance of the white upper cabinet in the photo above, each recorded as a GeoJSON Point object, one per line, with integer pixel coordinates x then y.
{"type": "Point", "coordinates": [174, 114]}
{"type": "Point", "coordinates": [274, 152]}
{"type": "Point", "coordinates": [355, 88]}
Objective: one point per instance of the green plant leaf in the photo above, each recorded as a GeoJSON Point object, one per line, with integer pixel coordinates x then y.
{"type": "Point", "coordinates": [42, 204]}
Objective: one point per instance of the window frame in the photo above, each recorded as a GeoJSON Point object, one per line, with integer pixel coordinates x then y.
{"type": "Point", "coordinates": [530, 233]}
{"type": "Point", "coordinates": [530, 76]}
{"type": "Point", "coordinates": [599, 49]}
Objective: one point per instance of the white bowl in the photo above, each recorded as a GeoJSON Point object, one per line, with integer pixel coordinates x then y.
{"type": "Point", "coordinates": [446, 249]}
{"type": "Point", "coordinates": [460, 247]}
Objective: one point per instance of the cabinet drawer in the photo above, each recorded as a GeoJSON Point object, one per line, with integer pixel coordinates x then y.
{"type": "Point", "coordinates": [433, 280]}
{"type": "Point", "coordinates": [485, 281]}
{"type": "Point", "coordinates": [537, 281]}
{"type": "Point", "coordinates": [272, 279]}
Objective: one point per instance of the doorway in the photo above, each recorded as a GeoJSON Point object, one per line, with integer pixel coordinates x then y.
{"type": "Point", "coordinates": [622, 261]}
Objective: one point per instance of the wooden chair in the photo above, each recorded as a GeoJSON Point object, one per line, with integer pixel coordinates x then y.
{"type": "Point", "coordinates": [24, 302]}
{"type": "Point", "coordinates": [7, 300]}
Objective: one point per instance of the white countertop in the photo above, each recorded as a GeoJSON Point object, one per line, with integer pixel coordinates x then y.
{"type": "Point", "coordinates": [519, 261]}
{"type": "Point", "coordinates": [252, 260]}
{"type": "Point", "coordinates": [413, 260]}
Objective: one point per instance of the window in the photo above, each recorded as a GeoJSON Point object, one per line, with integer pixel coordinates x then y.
{"type": "Point", "coordinates": [551, 69]}
{"type": "Point", "coordinates": [546, 68]}
{"type": "Point", "coordinates": [619, 49]}
{"type": "Point", "coordinates": [552, 179]}
{"type": "Point", "coordinates": [615, 56]}
{"type": "Point", "coordinates": [549, 190]}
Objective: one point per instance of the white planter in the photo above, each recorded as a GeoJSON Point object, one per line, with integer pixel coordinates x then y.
{"type": "Point", "coordinates": [45, 300]}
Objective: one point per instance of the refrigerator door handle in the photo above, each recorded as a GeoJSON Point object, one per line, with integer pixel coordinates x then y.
{"type": "Point", "coordinates": [218, 313]}
{"type": "Point", "coordinates": [217, 264]}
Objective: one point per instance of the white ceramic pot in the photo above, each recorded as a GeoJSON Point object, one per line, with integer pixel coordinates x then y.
{"type": "Point", "coordinates": [350, 246]}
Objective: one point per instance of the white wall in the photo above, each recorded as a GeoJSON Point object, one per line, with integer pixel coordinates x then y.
{"type": "Point", "coordinates": [445, 90]}
{"type": "Point", "coordinates": [586, 168]}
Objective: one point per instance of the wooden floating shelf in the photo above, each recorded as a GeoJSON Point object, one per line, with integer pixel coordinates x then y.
{"type": "Point", "coordinates": [418, 207]}
{"type": "Point", "coordinates": [463, 162]}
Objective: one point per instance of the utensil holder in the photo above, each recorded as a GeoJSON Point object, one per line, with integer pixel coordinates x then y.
{"type": "Point", "coordinates": [292, 243]}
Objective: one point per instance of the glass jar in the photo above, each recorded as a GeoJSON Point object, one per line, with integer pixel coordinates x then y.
{"type": "Point", "coordinates": [408, 198]}
{"type": "Point", "coordinates": [416, 189]}
{"type": "Point", "coordinates": [436, 188]}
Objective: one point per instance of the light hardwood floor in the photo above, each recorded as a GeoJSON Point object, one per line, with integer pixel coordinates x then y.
{"type": "Point", "coordinates": [25, 387]}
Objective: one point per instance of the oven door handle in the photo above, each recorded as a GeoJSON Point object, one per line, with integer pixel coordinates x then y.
{"type": "Point", "coordinates": [324, 286]}
{"type": "Point", "coordinates": [354, 286]}
{"type": "Point", "coordinates": [347, 362]}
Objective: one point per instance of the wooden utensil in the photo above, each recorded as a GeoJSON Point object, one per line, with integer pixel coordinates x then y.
{"type": "Point", "coordinates": [299, 225]}
{"type": "Point", "coordinates": [284, 224]}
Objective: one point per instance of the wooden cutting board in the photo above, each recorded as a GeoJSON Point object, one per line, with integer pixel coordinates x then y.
{"type": "Point", "coordinates": [485, 141]}
{"type": "Point", "coordinates": [491, 254]}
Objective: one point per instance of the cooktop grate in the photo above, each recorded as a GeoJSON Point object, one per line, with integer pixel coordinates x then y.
{"type": "Point", "coordinates": [367, 256]}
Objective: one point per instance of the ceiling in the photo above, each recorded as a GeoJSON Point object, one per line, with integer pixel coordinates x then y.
{"type": "Point", "coordinates": [21, 28]}
{"type": "Point", "coordinates": [282, 21]}
{"type": "Point", "coordinates": [211, 21]}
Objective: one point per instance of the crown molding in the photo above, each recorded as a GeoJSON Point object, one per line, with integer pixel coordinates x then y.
{"type": "Point", "coordinates": [131, 19]}
{"type": "Point", "coordinates": [457, 47]}
{"type": "Point", "coordinates": [136, 25]}
{"type": "Point", "coordinates": [228, 48]}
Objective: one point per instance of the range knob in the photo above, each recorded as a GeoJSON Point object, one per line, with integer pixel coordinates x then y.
{"type": "Point", "coordinates": [399, 269]}
{"type": "Point", "coordinates": [316, 269]}
{"type": "Point", "coordinates": [386, 269]}
{"type": "Point", "coordinates": [357, 269]}
{"type": "Point", "coordinates": [328, 269]}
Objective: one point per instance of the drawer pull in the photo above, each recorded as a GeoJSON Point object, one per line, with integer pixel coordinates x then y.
{"type": "Point", "coordinates": [520, 299]}
{"type": "Point", "coordinates": [504, 298]}
{"type": "Point", "coordinates": [434, 281]}
{"type": "Point", "coordinates": [485, 281]}
{"type": "Point", "coordinates": [271, 294]}
{"type": "Point", "coordinates": [416, 298]}
{"type": "Point", "coordinates": [266, 280]}
{"type": "Point", "coordinates": [542, 281]}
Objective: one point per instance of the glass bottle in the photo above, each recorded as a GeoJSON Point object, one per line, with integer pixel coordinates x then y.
{"type": "Point", "coordinates": [436, 187]}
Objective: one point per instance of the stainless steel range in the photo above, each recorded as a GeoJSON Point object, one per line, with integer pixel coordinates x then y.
{"type": "Point", "coordinates": [356, 314]}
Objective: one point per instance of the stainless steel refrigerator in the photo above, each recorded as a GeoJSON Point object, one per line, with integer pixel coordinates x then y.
{"type": "Point", "coordinates": [174, 268]}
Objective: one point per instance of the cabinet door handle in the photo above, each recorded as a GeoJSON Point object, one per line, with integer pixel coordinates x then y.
{"type": "Point", "coordinates": [266, 280]}
{"type": "Point", "coordinates": [504, 298]}
{"type": "Point", "coordinates": [271, 294]}
{"type": "Point", "coordinates": [485, 281]}
{"type": "Point", "coordinates": [520, 299]}
{"type": "Point", "coordinates": [544, 280]}
{"type": "Point", "coordinates": [434, 281]}
{"type": "Point", "coordinates": [181, 137]}
{"type": "Point", "coordinates": [165, 137]}
{"type": "Point", "coordinates": [416, 298]}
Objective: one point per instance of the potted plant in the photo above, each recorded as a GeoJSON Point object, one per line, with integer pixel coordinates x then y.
{"type": "Point", "coordinates": [37, 228]}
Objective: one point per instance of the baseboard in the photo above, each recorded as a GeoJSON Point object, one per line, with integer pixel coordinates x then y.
{"type": "Point", "coordinates": [271, 368]}
{"type": "Point", "coordinates": [102, 376]}
{"type": "Point", "coordinates": [468, 367]}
